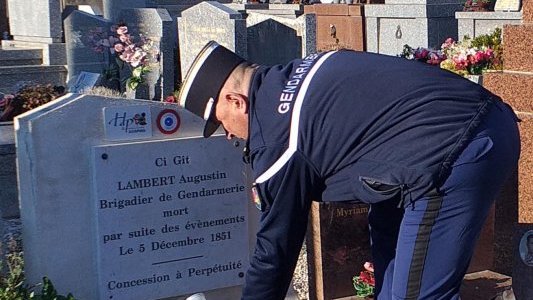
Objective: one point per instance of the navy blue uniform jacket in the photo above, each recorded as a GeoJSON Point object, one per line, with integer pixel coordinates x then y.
{"type": "Point", "coordinates": [344, 126]}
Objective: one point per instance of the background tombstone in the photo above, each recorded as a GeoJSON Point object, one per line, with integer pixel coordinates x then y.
{"type": "Point", "coordinates": [338, 26]}
{"type": "Point", "coordinates": [478, 23]}
{"type": "Point", "coordinates": [112, 8]}
{"type": "Point", "coordinates": [338, 245]}
{"type": "Point", "coordinates": [96, 5]}
{"type": "Point", "coordinates": [82, 32]}
{"type": "Point", "coordinates": [398, 22]}
{"type": "Point", "coordinates": [35, 20]}
{"type": "Point", "coordinates": [278, 40]}
{"type": "Point", "coordinates": [158, 26]}
{"type": "Point", "coordinates": [74, 208]}
{"type": "Point", "coordinates": [209, 21]}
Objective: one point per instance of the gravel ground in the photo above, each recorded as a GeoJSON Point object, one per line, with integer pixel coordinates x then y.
{"type": "Point", "coordinates": [299, 281]}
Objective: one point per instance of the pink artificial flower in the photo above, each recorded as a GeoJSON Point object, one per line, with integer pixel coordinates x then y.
{"type": "Point", "coordinates": [171, 99]}
{"type": "Point", "coordinates": [434, 58]}
{"type": "Point", "coordinates": [489, 53]}
{"type": "Point", "coordinates": [479, 56]}
{"type": "Point", "coordinates": [122, 30]}
{"type": "Point", "coordinates": [421, 53]}
{"type": "Point", "coordinates": [119, 47]}
{"type": "Point", "coordinates": [447, 43]}
{"type": "Point", "coordinates": [125, 38]}
{"type": "Point", "coordinates": [369, 266]}
{"type": "Point", "coordinates": [460, 61]}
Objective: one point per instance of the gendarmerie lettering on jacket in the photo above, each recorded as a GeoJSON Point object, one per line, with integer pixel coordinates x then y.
{"type": "Point", "coordinates": [292, 86]}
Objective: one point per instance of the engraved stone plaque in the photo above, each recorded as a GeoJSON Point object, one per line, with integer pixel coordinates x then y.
{"type": "Point", "coordinates": [171, 217]}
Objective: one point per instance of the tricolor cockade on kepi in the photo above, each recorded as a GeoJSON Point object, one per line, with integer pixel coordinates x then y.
{"type": "Point", "coordinates": [204, 80]}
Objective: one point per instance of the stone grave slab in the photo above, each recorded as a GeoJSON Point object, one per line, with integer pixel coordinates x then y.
{"type": "Point", "coordinates": [87, 204]}
{"type": "Point", "coordinates": [24, 15]}
{"type": "Point", "coordinates": [209, 21]}
{"type": "Point", "coordinates": [276, 40]}
{"type": "Point", "coordinates": [158, 26]}
{"type": "Point", "coordinates": [82, 33]}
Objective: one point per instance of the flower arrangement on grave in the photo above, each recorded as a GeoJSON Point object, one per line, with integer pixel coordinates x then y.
{"type": "Point", "coordinates": [27, 98]}
{"type": "Point", "coordinates": [364, 284]}
{"type": "Point", "coordinates": [135, 52]}
{"type": "Point", "coordinates": [466, 57]}
{"type": "Point", "coordinates": [173, 98]}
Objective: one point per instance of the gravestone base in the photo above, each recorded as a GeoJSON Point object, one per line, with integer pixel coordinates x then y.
{"type": "Point", "coordinates": [485, 285]}
{"type": "Point", "coordinates": [53, 53]}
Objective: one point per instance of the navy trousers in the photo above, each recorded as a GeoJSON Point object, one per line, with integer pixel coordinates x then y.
{"type": "Point", "coordinates": [422, 250]}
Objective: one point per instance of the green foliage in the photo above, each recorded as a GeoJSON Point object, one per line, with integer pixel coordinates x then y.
{"type": "Point", "coordinates": [12, 286]}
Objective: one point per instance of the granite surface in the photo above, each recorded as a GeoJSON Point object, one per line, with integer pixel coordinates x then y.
{"type": "Point", "coordinates": [208, 21]}
{"type": "Point", "coordinates": [527, 11]}
{"type": "Point", "coordinates": [525, 183]}
{"type": "Point", "coordinates": [513, 88]}
{"type": "Point", "coordinates": [519, 55]}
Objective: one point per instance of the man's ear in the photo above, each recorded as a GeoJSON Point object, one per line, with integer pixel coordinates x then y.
{"type": "Point", "coordinates": [237, 101]}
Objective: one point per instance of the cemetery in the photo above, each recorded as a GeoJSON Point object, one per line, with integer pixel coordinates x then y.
{"type": "Point", "coordinates": [108, 189]}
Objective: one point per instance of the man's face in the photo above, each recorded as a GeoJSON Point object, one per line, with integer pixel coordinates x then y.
{"type": "Point", "coordinates": [232, 112]}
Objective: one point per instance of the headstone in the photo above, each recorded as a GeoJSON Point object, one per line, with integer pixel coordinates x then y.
{"type": "Point", "coordinates": [338, 245]}
{"type": "Point", "coordinates": [112, 8]}
{"type": "Point", "coordinates": [209, 21]}
{"type": "Point", "coordinates": [277, 40]}
{"type": "Point", "coordinates": [160, 28]}
{"type": "Point", "coordinates": [338, 26]}
{"type": "Point", "coordinates": [507, 5]}
{"type": "Point", "coordinates": [96, 6]}
{"type": "Point", "coordinates": [477, 23]}
{"type": "Point", "coordinates": [83, 33]}
{"type": "Point", "coordinates": [390, 26]}
{"type": "Point", "coordinates": [84, 81]}
{"type": "Point", "coordinates": [8, 173]}
{"type": "Point", "coordinates": [161, 214]}
{"type": "Point", "coordinates": [35, 20]}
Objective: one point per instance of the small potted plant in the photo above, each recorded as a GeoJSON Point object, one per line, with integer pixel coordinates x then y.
{"type": "Point", "coordinates": [364, 284]}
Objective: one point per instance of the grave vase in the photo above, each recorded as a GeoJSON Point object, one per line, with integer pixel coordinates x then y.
{"type": "Point", "coordinates": [146, 89]}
